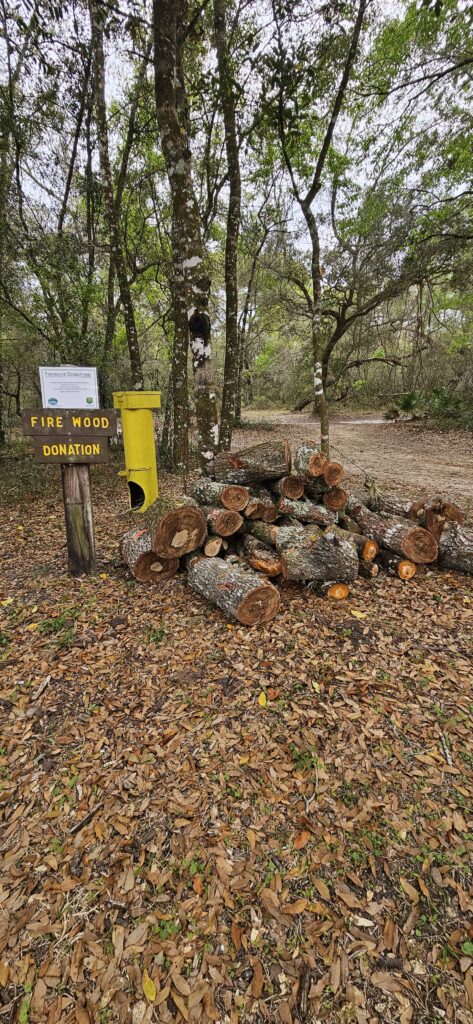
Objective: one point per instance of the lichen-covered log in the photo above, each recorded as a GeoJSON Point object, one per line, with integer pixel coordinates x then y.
{"type": "Point", "coordinates": [211, 492]}
{"type": "Point", "coordinates": [393, 505]}
{"type": "Point", "coordinates": [180, 530]}
{"type": "Point", "coordinates": [404, 568]}
{"type": "Point", "coordinates": [222, 521]}
{"type": "Point", "coordinates": [325, 557]}
{"type": "Point", "coordinates": [412, 542]}
{"type": "Point", "coordinates": [237, 591]}
{"type": "Point", "coordinates": [144, 564]}
{"type": "Point", "coordinates": [309, 461]}
{"type": "Point", "coordinates": [333, 473]}
{"type": "Point", "coordinates": [456, 548]}
{"type": "Point", "coordinates": [335, 499]}
{"type": "Point", "coordinates": [191, 557]}
{"type": "Point", "coordinates": [287, 536]}
{"type": "Point", "coordinates": [267, 461]}
{"type": "Point", "coordinates": [348, 524]}
{"type": "Point", "coordinates": [246, 543]}
{"type": "Point", "coordinates": [264, 532]}
{"type": "Point", "coordinates": [315, 488]}
{"type": "Point", "coordinates": [306, 512]}
{"type": "Point", "coordinates": [368, 570]}
{"type": "Point", "coordinates": [291, 486]}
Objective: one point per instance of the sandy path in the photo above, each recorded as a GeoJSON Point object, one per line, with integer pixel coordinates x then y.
{"type": "Point", "coordinates": [402, 456]}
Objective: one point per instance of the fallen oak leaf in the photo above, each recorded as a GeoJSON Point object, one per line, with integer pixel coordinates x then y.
{"type": "Point", "coordinates": [409, 890]}
{"type": "Point", "coordinates": [301, 840]}
{"type": "Point", "coordinates": [257, 983]}
{"type": "Point", "coordinates": [262, 699]}
{"type": "Point", "coordinates": [295, 908]}
{"type": "Point", "coordinates": [149, 987]}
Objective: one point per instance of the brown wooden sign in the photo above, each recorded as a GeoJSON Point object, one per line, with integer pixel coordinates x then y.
{"type": "Point", "coordinates": [70, 449]}
{"type": "Point", "coordinates": [57, 422]}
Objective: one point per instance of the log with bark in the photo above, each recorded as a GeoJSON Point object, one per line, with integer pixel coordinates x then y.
{"type": "Point", "coordinates": [211, 492]}
{"type": "Point", "coordinates": [398, 535]}
{"type": "Point", "coordinates": [291, 486]}
{"type": "Point", "coordinates": [309, 462]}
{"type": "Point", "coordinates": [456, 548]}
{"type": "Point", "coordinates": [393, 505]}
{"type": "Point", "coordinates": [307, 512]}
{"type": "Point", "coordinates": [264, 532]}
{"type": "Point", "coordinates": [325, 557]}
{"type": "Point", "coordinates": [144, 564]}
{"type": "Point", "coordinates": [261, 505]}
{"type": "Point", "coordinates": [348, 524]}
{"type": "Point", "coordinates": [332, 591]}
{"type": "Point", "coordinates": [237, 591]}
{"type": "Point", "coordinates": [404, 568]}
{"type": "Point", "coordinates": [222, 521]}
{"type": "Point", "coordinates": [180, 530]}
{"type": "Point", "coordinates": [267, 461]}
{"type": "Point", "coordinates": [213, 547]}
{"type": "Point", "coordinates": [366, 547]}
{"type": "Point", "coordinates": [287, 536]}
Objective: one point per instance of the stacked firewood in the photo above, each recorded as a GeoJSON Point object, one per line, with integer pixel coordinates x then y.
{"type": "Point", "coordinates": [265, 518]}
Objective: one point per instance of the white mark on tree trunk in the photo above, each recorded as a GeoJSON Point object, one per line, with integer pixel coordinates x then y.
{"type": "Point", "coordinates": [193, 261]}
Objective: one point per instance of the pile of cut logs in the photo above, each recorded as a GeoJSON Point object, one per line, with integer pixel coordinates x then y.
{"type": "Point", "coordinates": [265, 517]}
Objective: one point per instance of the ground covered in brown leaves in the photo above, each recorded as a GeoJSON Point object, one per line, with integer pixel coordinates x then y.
{"type": "Point", "coordinates": [205, 822]}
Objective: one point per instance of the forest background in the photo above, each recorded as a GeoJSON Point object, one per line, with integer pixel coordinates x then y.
{"type": "Point", "coordinates": [242, 204]}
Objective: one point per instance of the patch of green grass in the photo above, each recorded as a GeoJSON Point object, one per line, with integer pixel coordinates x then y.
{"type": "Point", "coordinates": [156, 636]}
{"type": "Point", "coordinates": [304, 759]}
{"type": "Point", "coordinates": [4, 638]}
{"type": "Point", "coordinates": [166, 929]}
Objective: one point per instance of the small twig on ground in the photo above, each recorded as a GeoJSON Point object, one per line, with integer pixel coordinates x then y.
{"type": "Point", "coordinates": [446, 749]}
{"type": "Point", "coordinates": [85, 821]}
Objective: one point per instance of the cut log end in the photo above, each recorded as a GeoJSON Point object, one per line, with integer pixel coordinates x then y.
{"type": "Point", "coordinates": [150, 568]}
{"type": "Point", "coordinates": [335, 499]}
{"type": "Point", "coordinates": [235, 497]}
{"type": "Point", "coordinates": [259, 606]}
{"type": "Point", "coordinates": [406, 569]}
{"type": "Point", "coordinates": [265, 561]}
{"type": "Point", "coordinates": [224, 522]}
{"type": "Point", "coordinates": [181, 530]}
{"type": "Point", "coordinates": [338, 591]}
{"type": "Point", "coordinates": [333, 473]}
{"type": "Point", "coordinates": [213, 547]}
{"type": "Point", "coordinates": [369, 550]}
{"type": "Point", "coordinates": [419, 546]}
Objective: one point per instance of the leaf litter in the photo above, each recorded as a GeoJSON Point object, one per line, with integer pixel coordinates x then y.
{"type": "Point", "coordinates": [212, 824]}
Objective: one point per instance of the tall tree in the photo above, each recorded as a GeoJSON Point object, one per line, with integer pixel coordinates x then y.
{"type": "Point", "coordinates": [191, 285]}
{"type": "Point", "coordinates": [116, 243]}
{"type": "Point", "coordinates": [228, 104]}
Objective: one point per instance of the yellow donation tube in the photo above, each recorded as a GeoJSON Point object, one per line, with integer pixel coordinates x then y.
{"type": "Point", "coordinates": [136, 409]}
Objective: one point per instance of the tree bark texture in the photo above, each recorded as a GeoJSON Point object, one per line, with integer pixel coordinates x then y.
{"type": "Point", "coordinates": [309, 461]}
{"type": "Point", "coordinates": [190, 281]}
{"type": "Point", "coordinates": [232, 496]}
{"type": "Point", "coordinates": [228, 105]}
{"type": "Point", "coordinates": [267, 461]}
{"type": "Point", "coordinates": [397, 535]}
{"type": "Point", "coordinates": [116, 244]}
{"type": "Point", "coordinates": [404, 568]}
{"type": "Point", "coordinates": [307, 512]}
{"type": "Point", "coordinates": [456, 548]}
{"type": "Point", "coordinates": [237, 591]}
{"type": "Point", "coordinates": [327, 557]}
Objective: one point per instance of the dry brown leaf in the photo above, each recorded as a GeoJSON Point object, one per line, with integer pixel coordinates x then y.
{"type": "Point", "coordinates": [409, 890]}
{"type": "Point", "coordinates": [301, 840]}
{"type": "Point", "coordinates": [257, 983]}
{"type": "Point", "coordinates": [294, 908]}
{"type": "Point", "coordinates": [322, 888]}
{"type": "Point", "coordinates": [236, 933]}
{"type": "Point", "coordinates": [82, 1015]}
{"type": "Point", "coordinates": [386, 982]}
{"type": "Point", "coordinates": [181, 1005]}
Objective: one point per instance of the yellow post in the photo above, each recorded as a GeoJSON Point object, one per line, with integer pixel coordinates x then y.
{"type": "Point", "coordinates": [138, 440]}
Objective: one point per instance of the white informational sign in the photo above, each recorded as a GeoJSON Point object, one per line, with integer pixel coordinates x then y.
{"type": "Point", "coordinates": [69, 387]}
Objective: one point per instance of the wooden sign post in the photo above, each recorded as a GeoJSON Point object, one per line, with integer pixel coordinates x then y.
{"type": "Point", "coordinates": [74, 438]}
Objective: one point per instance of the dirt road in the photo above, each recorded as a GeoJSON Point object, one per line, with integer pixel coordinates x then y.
{"type": "Point", "coordinates": [402, 456]}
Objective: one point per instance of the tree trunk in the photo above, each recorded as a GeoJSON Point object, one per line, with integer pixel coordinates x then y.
{"type": "Point", "coordinates": [397, 535]}
{"type": "Point", "coordinates": [291, 486]}
{"type": "Point", "coordinates": [456, 548]}
{"type": "Point", "coordinates": [326, 558]}
{"type": "Point", "coordinates": [96, 24]}
{"type": "Point", "coordinates": [288, 536]}
{"type": "Point", "coordinates": [264, 532]}
{"type": "Point", "coordinates": [144, 564]}
{"type": "Point", "coordinates": [394, 506]}
{"type": "Point", "coordinates": [231, 496]}
{"type": "Point", "coordinates": [309, 461]}
{"type": "Point", "coordinates": [267, 461]}
{"type": "Point", "coordinates": [367, 548]}
{"type": "Point", "coordinates": [178, 531]}
{"type": "Point", "coordinates": [191, 283]}
{"type": "Point", "coordinates": [368, 570]}
{"type": "Point", "coordinates": [79, 519]}
{"type": "Point", "coordinates": [307, 512]}
{"type": "Point", "coordinates": [237, 591]}
{"type": "Point", "coordinates": [228, 104]}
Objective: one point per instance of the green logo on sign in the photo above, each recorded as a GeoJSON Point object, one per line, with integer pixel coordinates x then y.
{"type": "Point", "coordinates": [89, 401]}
